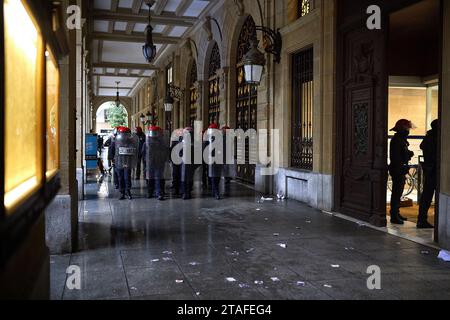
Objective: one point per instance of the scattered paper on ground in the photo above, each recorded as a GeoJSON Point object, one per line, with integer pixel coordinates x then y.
{"type": "Point", "coordinates": [444, 255]}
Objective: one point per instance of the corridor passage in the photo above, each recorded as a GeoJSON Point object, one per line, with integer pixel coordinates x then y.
{"type": "Point", "coordinates": [237, 248]}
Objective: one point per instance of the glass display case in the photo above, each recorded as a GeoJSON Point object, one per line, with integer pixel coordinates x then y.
{"type": "Point", "coordinates": [23, 101]}
{"type": "Point", "coordinates": [34, 40]}
{"type": "Point", "coordinates": [52, 115]}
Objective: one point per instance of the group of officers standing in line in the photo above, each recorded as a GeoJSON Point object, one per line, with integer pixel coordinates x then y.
{"type": "Point", "coordinates": [128, 151]}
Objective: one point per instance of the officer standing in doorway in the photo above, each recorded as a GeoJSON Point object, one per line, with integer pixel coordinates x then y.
{"type": "Point", "coordinates": [429, 148]}
{"type": "Point", "coordinates": [126, 145]}
{"type": "Point", "coordinates": [400, 156]}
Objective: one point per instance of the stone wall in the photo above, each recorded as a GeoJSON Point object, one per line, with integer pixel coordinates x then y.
{"type": "Point", "coordinates": [444, 206]}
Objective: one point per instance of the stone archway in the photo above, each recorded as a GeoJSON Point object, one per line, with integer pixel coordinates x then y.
{"type": "Point", "coordinates": [99, 101]}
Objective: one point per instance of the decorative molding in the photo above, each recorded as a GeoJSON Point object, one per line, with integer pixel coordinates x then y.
{"type": "Point", "coordinates": [240, 7]}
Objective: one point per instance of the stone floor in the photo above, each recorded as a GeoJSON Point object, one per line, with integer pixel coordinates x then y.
{"type": "Point", "coordinates": [237, 248]}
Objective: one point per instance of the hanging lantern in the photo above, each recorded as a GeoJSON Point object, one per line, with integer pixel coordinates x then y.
{"type": "Point", "coordinates": [254, 62]}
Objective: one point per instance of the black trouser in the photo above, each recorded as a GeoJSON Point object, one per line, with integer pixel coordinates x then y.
{"type": "Point", "coordinates": [398, 187]}
{"type": "Point", "coordinates": [187, 187]}
{"type": "Point", "coordinates": [124, 176]}
{"type": "Point", "coordinates": [429, 189]}
{"type": "Point", "coordinates": [138, 168]}
{"type": "Point", "coordinates": [205, 177]}
{"type": "Point", "coordinates": [176, 178]}
{"type": "Point", "coordinates": [215, 185]}
{"type": "Point", "coordinates": [116, 177]}
{"type": "Point", "coordinates": [155, 185]}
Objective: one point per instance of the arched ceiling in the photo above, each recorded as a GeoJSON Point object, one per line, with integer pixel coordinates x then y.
{"type": "Point", "coordinates": [117, 34]}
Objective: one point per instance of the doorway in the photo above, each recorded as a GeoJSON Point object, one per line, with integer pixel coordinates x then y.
{"type": "Point", "coordinates": [371, 65]}
{"type": "Point", "coordinates": [413, 94]}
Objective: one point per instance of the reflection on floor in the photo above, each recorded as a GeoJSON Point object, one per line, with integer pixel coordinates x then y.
{"type": "Point", "coordinates": [412, 213]}
{"type": "Point", "coordinates": [238, 248]}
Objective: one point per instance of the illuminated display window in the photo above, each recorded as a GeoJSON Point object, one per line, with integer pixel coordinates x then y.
{"type": "Point", "coordinates": [24, 52]}
{"type": "Point", "coordinates": [52, 87]}
{"type": "Point", "coordinates": [304, 7]}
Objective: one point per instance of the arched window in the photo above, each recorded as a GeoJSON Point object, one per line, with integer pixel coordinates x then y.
{"type": "Point", "coordinates": [247, 98]}
{"type": "Point", "coordinates": [214, 89]}
{"type": "Point", "coordinates": [193, 95]}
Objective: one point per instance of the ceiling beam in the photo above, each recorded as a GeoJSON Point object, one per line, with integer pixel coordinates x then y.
{"type": "Point", "coordinates": [183, 7]}
{"type": "Point", "coordinates": [160, 5]}
{"type": "Point", "coordinates": [121, 65]}
{"type": "Point", "coordinates": [113, 75]}
{"type": "Point", "coordinates": [127, 15]}
{"type": "Point", "coordinates": [115, 88]}
{"type": "Point", "coordinates": [123, 37]}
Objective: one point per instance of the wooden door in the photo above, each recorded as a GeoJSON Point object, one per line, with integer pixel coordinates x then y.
{"type": "Point", "coordinates": [362, 95]}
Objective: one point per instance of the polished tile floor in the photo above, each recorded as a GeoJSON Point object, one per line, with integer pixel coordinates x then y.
{"type": "Point", "coordinates": [237, 248]}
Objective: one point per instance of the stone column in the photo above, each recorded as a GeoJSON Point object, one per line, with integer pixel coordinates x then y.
{"type": "Point", "coordinates": [62, 214]}
{"type": "Point", "coordinates": [223, 75]}
{"type": "Point", "coordinates": [444, 197]}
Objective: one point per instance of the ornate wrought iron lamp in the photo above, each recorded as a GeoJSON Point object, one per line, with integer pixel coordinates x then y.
{"type": "Point", "coordinates": [148, 119]}
{"type": "Point", "coordinates": [149, 49]}
{"type": "Point", "coordinates": [254, 60]}
{"type": "Point", "coordinates": [117, 102]}
{"type": "Point", "coordinates": [173, 93]}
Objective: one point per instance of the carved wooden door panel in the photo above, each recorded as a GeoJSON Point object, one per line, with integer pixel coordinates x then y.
{"type": "Point", "coordinates": [362, 94]}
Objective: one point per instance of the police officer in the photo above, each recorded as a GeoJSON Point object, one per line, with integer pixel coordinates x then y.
{"type": "Point", "coordinates": [188, 166]}
{"type": "Point", "coordinates": [429, 148]}
{"type": "Point", "coordinates": [229, 168]}
{"type": "Point", "coordinates": [400, 156]}
{"type": "Point", "coordinates": [126, 153]}
{"type": "Point", "coordinates": [141, 136]}
{"type": "Point", "coordinates": [214, 167]}
{"type": "Point", "coordinates": [177, 138]}
{"type": "Point", "coordinates": [156, 156]}
{"type": "Point", "coordinates": [111, 156]}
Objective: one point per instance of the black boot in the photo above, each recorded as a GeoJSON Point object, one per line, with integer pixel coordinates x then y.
{"type": "Point", "coordinates": [161, 198]}
{"type": "Point", "coordinates": [130, 197]}
{"type": "Point", "coordinates": [395, 219]}
{"type": "Point", "coordinates": [424, 225]}
{"type": "Point", "coordinates": [122, 197]}
{"type": "Point", "coordinates": [402, 217]}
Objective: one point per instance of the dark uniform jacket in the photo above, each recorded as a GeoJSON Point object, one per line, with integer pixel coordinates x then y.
{"type": "Point", "coordinates": [112, 150]}
{"type": "Point", "coordinates": [429, 148]}
{"type": "Point", "coordinates": [141, 138]}
{"type": "Point", "coordinates": [399, 155]}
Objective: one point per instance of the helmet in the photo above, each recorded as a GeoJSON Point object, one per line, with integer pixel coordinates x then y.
{"type": "Point", "coordinates": [154, 131]}
{"type": "Point", "coordinates": [214, 126]}
{"type": "Point", "coordinates": [403, 125]}
{"type": "Point", "coordinates": [123, 130]}
{"type": "Point", "coordinates": [139, 130]}
{"type": "Point", "coordinates": [435, 124]}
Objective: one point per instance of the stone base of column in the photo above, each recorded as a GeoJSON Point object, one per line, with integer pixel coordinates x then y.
{"type": "Point", "coordinates": [59, 231]}
{"type": "Point", "coordinates": [444, 221]}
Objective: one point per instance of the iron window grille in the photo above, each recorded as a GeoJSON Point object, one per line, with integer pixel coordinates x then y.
{"type": "Point", "coordinates": [303, 104]}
